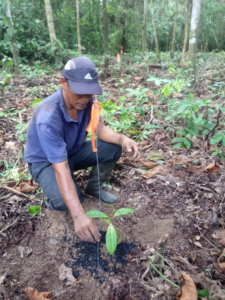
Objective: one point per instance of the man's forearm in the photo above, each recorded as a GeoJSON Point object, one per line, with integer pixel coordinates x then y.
{"type": "Point", "coordinates": [68, 192]}
{"type": "Point", "coordinates": [108, 135]}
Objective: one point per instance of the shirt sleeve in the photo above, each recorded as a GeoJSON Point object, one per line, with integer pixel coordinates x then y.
{"type": "Point", "coordinates": [52, 142]}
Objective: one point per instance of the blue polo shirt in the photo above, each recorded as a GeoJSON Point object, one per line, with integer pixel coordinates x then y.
{"type": "Point", "coordinates": [52, 135]}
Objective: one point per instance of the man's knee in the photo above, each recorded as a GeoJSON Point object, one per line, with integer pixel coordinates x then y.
{"type": "Point", "coordinates": [111, 151]}
{"type": "Point", "coordinates": [58, 204]}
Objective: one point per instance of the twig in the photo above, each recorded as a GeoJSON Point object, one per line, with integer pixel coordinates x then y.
{"type": "Point", "coordinates": [79, 281]}
{"type": "Point", "coordinates": [16, 192]}
{"type": "Point", "coordinates": [8, 226]}
{"type": "Point", "coordinates": [205, 237]}
{"type": "Point", "coordinates": [5, 197]}
{"type": "Point", "coordinates": [162, 275]}
{"type": "Point", "coordinates": [21, 237]}
{"type": "Point", "coordinates": [217, 123]}
{"type": "Point", "coordinates": [167, 262]}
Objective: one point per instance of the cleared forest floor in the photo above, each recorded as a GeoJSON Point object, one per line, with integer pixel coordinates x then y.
{"type": "Point", "coordinates": [178, 201]}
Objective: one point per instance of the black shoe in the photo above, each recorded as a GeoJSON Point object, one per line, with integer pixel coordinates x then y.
{"type": "Point", "coordinates": [92, 187]}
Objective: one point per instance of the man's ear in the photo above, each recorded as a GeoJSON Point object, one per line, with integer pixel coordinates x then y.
{"type": "Point", "coordinates": [64, 83]}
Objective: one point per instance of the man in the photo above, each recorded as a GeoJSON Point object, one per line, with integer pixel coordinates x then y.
{"type": "Point", "coordinates": [56, 146]}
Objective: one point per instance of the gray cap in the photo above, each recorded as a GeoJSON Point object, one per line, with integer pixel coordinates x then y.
{"type": "Point", "coordinates": [82, 76]}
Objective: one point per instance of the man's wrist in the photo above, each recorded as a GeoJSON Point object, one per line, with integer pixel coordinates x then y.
{"type": "Point", "coordinates": [77, 211]}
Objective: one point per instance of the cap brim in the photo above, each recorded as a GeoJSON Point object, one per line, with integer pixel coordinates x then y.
{"type": "Point", "coordinates": [91, 88]}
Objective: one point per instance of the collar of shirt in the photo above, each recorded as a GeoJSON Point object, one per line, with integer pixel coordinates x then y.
{"type": "Point", "coordinates": [65, 112]}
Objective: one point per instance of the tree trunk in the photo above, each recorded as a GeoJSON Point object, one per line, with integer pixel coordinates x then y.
{"type": "Point", "coordinates": [13, 39]}
{"type": "Point", "coordinates": [193, 38]}
{"type": "Point", "coordinates": [186, 33]}
{"type": "Point", "coordinates": [51, 28]}
{"type": "Point", "coordinates": [78, 27]}
{"type": "Point", "coordinates": [105, 26]}
{"type": "Point", "coordinates": [144, 27]}
{"type": "Point", "coordinates": [174, 32]}
{"type": "Point", "coordinates": [155, 33]}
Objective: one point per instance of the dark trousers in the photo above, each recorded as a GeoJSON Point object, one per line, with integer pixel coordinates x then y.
{"type": "Point", "coordinates": [43, 172]}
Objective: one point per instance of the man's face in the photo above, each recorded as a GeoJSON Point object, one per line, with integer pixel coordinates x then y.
{"type": "Point", "coordinates": [76, 101]}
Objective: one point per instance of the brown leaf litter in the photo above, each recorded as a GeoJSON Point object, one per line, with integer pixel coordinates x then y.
{"type": "Point", "coordinates": [33, 294]}
{"type": "Point", "coordinates": [188, 290]}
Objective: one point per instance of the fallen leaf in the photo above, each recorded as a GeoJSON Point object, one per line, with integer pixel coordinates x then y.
{"type": "Point", "coordinates": [148, 164]}
{"type": "Point", "coordinates": [2, 278]}
{"type": "Point", "coordinates": [180, 160]}
{"type": "Point", "coordinates": [222, 242]}
{"type": "Point", "coordinates": [151, 180]}
{"type": "Point", "coordinates": [10, 145]}
{"type": "Point", "coordinates": [26, 186]}
{"type": "Point", "coordinates": [188, 290]}
{"type": "Point", "coordinates": [197, 237]}
{"type": "Point", "coordinates": [198, 244]}
{"type": "Point", "coordinates": [66, 273]}
{"type": "Point", "coordinates": [156, 156]}
{"type": "Point", "coordinates": [212, 168]}
{"type": "Point", "coordinates": [161, 169]}
{"type": "Point", "coordinates": [33, 294]}
{"type": "Point", "coordinates": [221, 265]}
{"type": "Point", "coordinates": [197, 170]}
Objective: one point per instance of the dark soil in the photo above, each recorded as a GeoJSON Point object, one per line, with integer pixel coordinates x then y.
{"type": "Point", "coordinates": [90, 257]}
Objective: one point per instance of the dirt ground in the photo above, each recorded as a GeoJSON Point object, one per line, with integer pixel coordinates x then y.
{"type": "Point", "coordinates": [181, 203]}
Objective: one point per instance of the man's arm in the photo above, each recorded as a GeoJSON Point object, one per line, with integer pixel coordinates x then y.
{"type": "Point", "coordinates": [108, 135]}
{"type": "Point", "coordinates": [84, 226]}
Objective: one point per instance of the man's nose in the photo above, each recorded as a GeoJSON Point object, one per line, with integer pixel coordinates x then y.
{"type": "Point", "coordinates": [85, 97]}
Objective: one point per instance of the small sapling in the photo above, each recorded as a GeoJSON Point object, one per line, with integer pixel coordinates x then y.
{"type": "Point", "coordinates": [112, 237]}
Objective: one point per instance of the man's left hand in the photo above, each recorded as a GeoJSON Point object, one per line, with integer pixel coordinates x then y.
{"type": "Point", "coordinates": [130, 145]}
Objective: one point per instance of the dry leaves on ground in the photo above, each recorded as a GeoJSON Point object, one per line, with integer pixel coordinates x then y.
{"type": "Point", "coordinates": [180, 160]}
{"type": "Point", "coordinates": [66, 273]}
{"type": "Point", "coordinates": [188, 290]}
{"type": "Point", "coordinates": [161, 169]}
{"type": "Point", "coordinates": [221, 265]}
{"type": "Point", "coordinates": [26, 186]}
{"type": "Point", "coordinates": [197, 170]}
{"type": "Point", "coordinates": [148, 164]}
{"type": "Point", "coordinates": [212, 168]}
{"type": "Point", "coordinates": [33, 294]}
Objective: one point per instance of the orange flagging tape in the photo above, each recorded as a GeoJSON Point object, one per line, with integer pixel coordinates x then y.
{"type": "Point", "coordinates": [95, 118]}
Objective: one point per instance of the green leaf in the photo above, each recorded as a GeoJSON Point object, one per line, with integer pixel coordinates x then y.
{"type": "Point", "coordinates": [156, 156]}
{"type": "Point", "coordinates": [178, 139]}
{"type": "Point", "coordinates": [187, 144]}
{"type": "Point", "coordinates": [111, 239]}
{"type": "Point", "coordinates": [181, 132]}
{"type": "Point", "coordinates": [1, 114]}
{"type": "Point", "coordinates": [203, 293]}
{"type": "Point", "coordinates": [34, 210]}
{"type": "Point", "coordinates": [119, 238]}
{"type": "Point", "coordinates": [106, 220]}
{"type": "Point", "coordinates": [160, 162]}
{"type": "Point", "coordinates": [178, 146]}
{"type": "Point", "coordinates": [166, 90]}
{"type": "Point", "coordinates": [123, 211]}
{"type": "Point", "coordinates": [224, 140]}
{"type": "Point", "coordinates": [216, 138]}
{"type": "Point", "coordinates": [96, 214]}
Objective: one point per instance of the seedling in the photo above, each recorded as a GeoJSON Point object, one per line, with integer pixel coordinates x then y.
{"type": "Point", "coordinates": [112, 237]}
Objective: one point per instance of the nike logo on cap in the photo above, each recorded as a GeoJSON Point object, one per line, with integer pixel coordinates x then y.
{"type": "Point", "coordinates": [87, 76]}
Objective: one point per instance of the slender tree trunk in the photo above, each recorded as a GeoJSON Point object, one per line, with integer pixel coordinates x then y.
{"type": "Point", "coordinates": [13, 39]}
{"type": "Point", "coordinates": [174, 32]}
{"type": "Point", "coordinates": [193, 37]}
{"type": "Point", "coordinates": [144, 27]}
{"type": "Point", "coordinates": [186, 33]}
{"type": "Point", "coordinates": [155, 33]}
{"type": "Point", "coordinates": [78, 27]}
{"type": "Point", "coordinates": [51, 28]}
{"type": "Point", "coordinates": [105, 26]}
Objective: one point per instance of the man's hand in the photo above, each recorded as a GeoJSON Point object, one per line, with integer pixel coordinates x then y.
{"type": "Point", "coordinates": [86, 229]}
{"type": "Point", "coordinates": [129, 145]}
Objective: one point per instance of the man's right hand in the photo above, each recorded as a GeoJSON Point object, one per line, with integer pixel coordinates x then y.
{"type": "Point", "coordinates": [86, 229]}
